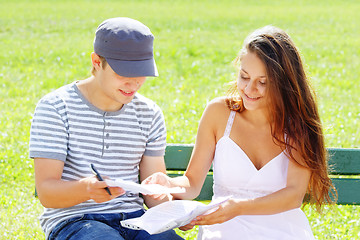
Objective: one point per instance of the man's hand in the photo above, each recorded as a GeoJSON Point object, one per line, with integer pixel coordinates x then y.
{"type": "Point", "coordinates": [96, 190]}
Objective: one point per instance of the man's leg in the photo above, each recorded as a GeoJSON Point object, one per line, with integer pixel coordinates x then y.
{"type": "Point", "coordinates": [84, 229]}
{"type": "Point", "coordinates": [168, 235]}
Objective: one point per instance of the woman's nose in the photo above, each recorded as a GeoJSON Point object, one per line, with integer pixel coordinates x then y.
{"type": "Point", "coordinates": [250, 87]}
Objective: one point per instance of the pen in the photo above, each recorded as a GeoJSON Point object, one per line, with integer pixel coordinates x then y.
{"type": "Point", "coordinates": [98, 176]}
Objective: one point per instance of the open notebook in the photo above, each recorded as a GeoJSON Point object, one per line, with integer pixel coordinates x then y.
{"type": "Point", "coordinates": [169, 215]}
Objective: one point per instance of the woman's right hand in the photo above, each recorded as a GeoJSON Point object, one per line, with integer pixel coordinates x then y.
{"type": "Point", "coordinates": [158, 178]}
{"type": "Point", "coordinates": [161, 179]}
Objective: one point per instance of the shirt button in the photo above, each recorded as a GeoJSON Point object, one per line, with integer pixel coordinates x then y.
{"type": "Point", "coordinates": [107, 145]}
{"type": "Point", "coordinates": [109, 123]}
{"type": "Point", "coordinates": [107, 135]}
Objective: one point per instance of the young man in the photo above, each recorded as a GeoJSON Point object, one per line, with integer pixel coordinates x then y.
{"type": "Point", "coordinates": [102, 121]}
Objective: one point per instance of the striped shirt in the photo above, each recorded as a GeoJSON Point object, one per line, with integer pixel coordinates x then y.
{"type": "Point", "coordinates": [69, 128]}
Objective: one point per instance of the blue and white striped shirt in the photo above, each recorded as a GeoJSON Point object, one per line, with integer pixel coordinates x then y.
{"type": "Point", "coordinates": [69, 128]}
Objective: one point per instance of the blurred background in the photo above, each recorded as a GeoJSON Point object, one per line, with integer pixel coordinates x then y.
{"type": "Point", "coordinates": [46, 44]}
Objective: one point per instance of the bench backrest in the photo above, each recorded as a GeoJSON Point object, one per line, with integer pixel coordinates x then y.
{"type": "Point", "coordinates": [344, 170]}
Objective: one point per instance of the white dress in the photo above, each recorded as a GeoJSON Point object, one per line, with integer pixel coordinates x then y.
{"type": "Point", "coordinates": [236, 176]}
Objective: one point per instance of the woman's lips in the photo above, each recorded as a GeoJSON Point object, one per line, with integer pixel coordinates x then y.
{"type": "Point", "coordinates": [251, 98]}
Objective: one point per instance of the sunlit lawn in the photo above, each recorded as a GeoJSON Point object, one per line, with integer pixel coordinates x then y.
{"type": "Point", "coordinates": [46, 44]}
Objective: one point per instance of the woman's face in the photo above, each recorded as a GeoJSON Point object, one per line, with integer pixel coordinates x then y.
{"type": "Point", "coordinates": [252, 82]}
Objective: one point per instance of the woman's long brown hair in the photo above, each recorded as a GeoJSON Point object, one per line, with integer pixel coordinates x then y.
{"type": "Point", "coordinates": [293, 106]}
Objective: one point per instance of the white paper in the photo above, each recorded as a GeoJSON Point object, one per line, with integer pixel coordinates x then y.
{"type": "Point", "coordinates": [143, 188]}
{"type": "Point", "coordinates": [169, 215]}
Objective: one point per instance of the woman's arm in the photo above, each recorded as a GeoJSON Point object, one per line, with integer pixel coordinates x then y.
{"type": "Point", "coordinates": [285, 199]}
{"type": "Point", "coordinates": [215, 115]}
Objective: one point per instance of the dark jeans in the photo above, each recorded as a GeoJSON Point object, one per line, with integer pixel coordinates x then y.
{"type": "Point", "coordinates": [104, 227]}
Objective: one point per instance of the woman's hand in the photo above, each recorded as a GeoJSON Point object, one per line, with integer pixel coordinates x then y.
{"type": "Point", "coordinates": [187, 227]}
{"type": "Point", "coordinates": [161, 179]}
{"type": "Point", "coordinates": [226, 211]}
{"type": "Point", "coordinates": [158, 178]}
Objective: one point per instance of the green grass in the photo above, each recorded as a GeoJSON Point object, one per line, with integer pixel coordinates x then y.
{"type": "Point", "coordinates": [46, 44]}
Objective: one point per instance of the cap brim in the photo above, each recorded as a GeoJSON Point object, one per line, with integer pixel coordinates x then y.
{"type": "Point", "coordinates": [143, 68]}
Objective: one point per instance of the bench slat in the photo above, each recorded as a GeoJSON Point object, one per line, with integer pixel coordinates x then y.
{"type": "Point", "coordinates": [177, 156]}
{"type": "Point", "coordinates": [346, 187]}
{"type": "Point", "coordinates": [344, 161]}
{"type": "Point", "coordinates": [348, 190]}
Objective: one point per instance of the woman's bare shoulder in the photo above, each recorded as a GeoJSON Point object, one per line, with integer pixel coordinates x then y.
{"type": "Point", "coordinates": [218, 103]}
{"type": "Point", "coordinates": [217, 112]}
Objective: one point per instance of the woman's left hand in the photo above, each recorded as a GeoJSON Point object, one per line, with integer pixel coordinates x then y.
{"type": "Point", "coordinates": [186, 227]}
{"type": "Point", "coordinates": [226, 211]}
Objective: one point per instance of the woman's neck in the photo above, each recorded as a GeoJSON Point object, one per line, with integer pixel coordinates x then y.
{"type": "Point", "coordinates": [257, 118]}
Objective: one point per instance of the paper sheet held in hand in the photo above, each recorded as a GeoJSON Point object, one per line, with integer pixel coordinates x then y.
{"type": "Point", "coordinates": [143, 188]}
{"type": "Point", "coordinates": [169, 215]}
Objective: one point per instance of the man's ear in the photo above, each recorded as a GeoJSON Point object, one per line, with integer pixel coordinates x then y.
{"type": "Point", "coordinates": [95, 59]}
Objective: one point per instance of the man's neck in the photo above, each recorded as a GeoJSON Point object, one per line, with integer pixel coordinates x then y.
{"type": "Point", "coordinates": [94, 94]}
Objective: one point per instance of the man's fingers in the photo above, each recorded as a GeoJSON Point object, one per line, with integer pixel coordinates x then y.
{"type": "Point", "coordinates": [117, 191]}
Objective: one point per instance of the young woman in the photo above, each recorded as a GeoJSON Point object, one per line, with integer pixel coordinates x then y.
{"type": "Point", "coordinates": [266, 145]}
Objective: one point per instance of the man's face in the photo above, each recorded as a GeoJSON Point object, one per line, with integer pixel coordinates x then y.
{"type": "Point", "coordinates": [115, 90]}
{"type": "Point", "coordinates": [120, 88]}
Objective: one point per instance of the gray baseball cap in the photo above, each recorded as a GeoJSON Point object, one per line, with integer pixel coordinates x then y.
{"type": "Point", "coordinates": [127, 46]}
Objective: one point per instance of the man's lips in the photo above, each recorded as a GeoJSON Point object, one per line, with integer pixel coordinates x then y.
{"type": "Point", "coordinates": [128, 94]}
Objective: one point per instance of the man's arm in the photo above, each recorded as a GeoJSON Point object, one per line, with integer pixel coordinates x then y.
{"type": "Point", "coordinates": [56, 193]}
{"type": "Point", "coordinates": [148, 166]}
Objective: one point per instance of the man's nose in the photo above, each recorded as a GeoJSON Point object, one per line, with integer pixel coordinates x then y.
{"type": "Point", "coordinates": [133, 84]}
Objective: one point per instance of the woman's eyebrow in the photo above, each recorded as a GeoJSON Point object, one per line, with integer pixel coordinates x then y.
{"type": "Point", "coordinates": [248, 73]}
{"type": "Point", "coordinates": [243, 70]}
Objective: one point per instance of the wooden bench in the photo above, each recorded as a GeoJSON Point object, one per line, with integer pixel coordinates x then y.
{"type": "Point", "coordinates": [344, 171]}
